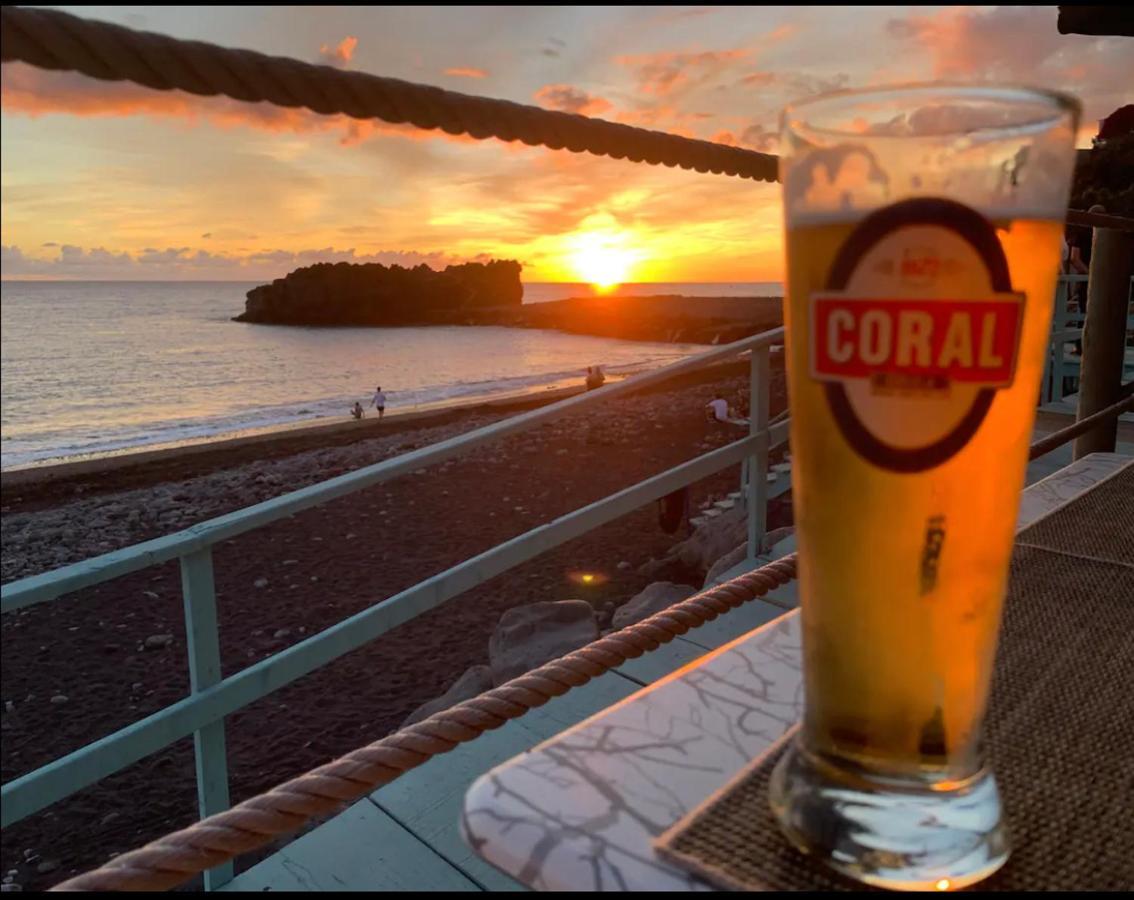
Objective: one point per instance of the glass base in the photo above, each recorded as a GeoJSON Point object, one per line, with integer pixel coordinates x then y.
{"type": "Point", "coordinates": [895, 835]}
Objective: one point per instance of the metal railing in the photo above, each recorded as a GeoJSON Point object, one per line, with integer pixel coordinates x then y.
{"type": "Point", "coordinates": [1067, 328]}
{"type": "Point", "coordinates": [212, 697]}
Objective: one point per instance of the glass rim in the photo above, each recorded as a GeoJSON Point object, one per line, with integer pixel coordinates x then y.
{"type": "Point", "coordinates": [1060, 104]}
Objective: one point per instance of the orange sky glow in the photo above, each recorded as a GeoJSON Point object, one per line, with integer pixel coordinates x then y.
{"type": "Point", "coordinates": [108, 180]}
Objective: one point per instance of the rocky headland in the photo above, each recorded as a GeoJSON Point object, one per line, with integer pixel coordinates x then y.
{"type": "Point", "coordinates": [374, 294]}
{"type": "Point", "coordinates": [492, 294]}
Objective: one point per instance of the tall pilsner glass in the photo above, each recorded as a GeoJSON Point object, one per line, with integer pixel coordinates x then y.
{"type": "Point", "coordinates": [923, 231]}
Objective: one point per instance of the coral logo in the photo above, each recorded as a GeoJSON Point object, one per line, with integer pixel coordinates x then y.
{"type": "Point", "coordinates": [917, 330]}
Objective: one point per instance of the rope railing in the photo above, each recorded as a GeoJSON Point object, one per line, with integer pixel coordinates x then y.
{"type": "Point", "coordinates": [55, 40]}
{"type": "Point", "coordinates": [175, 858]}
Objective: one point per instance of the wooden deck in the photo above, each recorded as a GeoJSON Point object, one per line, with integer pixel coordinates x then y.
{"type": "Point", "coordinates": [405, 835]}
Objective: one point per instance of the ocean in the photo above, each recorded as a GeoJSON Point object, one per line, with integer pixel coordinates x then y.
{"type": "Point", "coordinates": [91, 368]}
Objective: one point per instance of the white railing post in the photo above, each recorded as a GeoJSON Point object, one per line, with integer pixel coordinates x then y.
{"type": "Point", "coordinates": [199, 592]}
{"type": "Point", "coordinates": [758, 400]}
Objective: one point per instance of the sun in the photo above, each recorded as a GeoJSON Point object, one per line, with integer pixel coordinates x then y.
{"type": "Point", "coordinates": [603, 260]}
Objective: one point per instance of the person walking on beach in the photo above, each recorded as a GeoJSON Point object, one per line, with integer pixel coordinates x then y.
{"type": "Point", "coordinates": [379, 401]}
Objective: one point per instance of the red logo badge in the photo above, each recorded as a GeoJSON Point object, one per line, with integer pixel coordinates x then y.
{"type": "Point", "coordinates": [917, 330]}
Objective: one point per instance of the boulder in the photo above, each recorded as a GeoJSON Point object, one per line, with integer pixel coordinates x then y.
{"type": "Point", "coordinates": [712, 539]}
{"type": "Point", "coordinates": [733, 558]}
{"type": "Point", "coordinates": [776, 537]}
{"type": "Point", "coordinates": [656, 597]}
{"type": "Point", "coordinates": [529, 636]}
{"type": "Point", "coordinates": [473, 683]}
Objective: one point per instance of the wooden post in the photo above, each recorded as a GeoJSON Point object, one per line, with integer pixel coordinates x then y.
{"type": "Point", "coordinates": [1104, 335]}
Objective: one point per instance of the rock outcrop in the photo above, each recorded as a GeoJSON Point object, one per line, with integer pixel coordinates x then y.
{"type": "Point", "coordinates": [528, 636]}
{"type": "Point", "coordinates": [472, 683]}
{"type": "Point", "coordinates": [373, 294]}
{"type": "Point", "coordinates": [656, 597]}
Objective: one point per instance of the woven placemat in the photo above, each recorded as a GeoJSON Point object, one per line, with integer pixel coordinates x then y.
{"type": "Point", "coordinates": [1096, 525]}
{"type": "Point", "coordinates": [1059, 733]}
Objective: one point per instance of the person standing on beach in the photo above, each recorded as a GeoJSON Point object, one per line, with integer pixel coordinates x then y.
{"type": "Point", "coordinates": [379, 401]}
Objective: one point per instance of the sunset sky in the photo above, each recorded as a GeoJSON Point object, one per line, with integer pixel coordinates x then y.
{"type": "Point", "coordinates": [111, 181]}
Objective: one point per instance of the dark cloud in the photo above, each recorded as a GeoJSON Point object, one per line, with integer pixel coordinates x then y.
{"type": "Point", "coordinates": [566, 98]}
{"type": "Point", "coordinates": [187, 262]}
{"type": "Point", "coordinates": [760, 138]}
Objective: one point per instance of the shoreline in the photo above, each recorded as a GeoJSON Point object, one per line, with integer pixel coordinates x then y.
{"type": "Point", "coordinates": [62, 467]}
{"type": "Point", "coordinates": [669, 319]}
{"type": "Point", "coordinates": [53, 483]}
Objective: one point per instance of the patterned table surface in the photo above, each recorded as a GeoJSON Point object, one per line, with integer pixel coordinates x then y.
{"type": "Point", "coordinates": [579, 811]}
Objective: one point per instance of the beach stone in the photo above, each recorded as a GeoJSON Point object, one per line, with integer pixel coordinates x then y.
{"type": "Point", "coordinates": [712, 539]}
{"type": "Point", "coordinates": [656, 597]}
{"type": "Point", "coordinates": [157, 641]}
{"type": "Point", "coordinates": [48, 865]}
{"type": "Point", "coordinates": [529, 636]}
{"type": "Point", "coordinates": [59, 699]}
{"type": "Point", "coordinates": [734, 557]}
{"type": "Point", "coordinates": [290, 562]}
{"type": "Point", "coordinates": [137, 686]}
{"type": "Point", "coordinates": [624, 565]}
{"type": "Point", "coordinates": [777, 536]}
{"type": "Point", "coordinates": [10, 888]}
{"type": "Point", "coordinates": [474, 682]}
{"type": "Point", "coordinates": [260, 583]}
{"type": "Point", "coordinates": [110, 817]}
{"type": "Point", "coordinates": [150, 594]}
{"type": "Point", "coordinates": [9, 706]}
{"type": "Point", "coordinates": [282, 633]}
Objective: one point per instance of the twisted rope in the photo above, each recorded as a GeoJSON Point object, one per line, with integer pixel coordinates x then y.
{"type": "Point", "coordinates": [55, 40]}
{"type": "Point", "coordinates": [175, 858]}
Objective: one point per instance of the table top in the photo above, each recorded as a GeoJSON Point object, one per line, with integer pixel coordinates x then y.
{"type": "Point", "coordinates": [580, 811]}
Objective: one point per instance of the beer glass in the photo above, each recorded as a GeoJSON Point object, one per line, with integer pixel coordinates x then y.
{"type": "Point", "coordinates": [923, 230]}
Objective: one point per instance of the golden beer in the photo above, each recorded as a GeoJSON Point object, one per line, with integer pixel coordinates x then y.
{"type": "Point", "coordinates": [867, 536]}
{"type": "Point", "coordinates": [922, 233]}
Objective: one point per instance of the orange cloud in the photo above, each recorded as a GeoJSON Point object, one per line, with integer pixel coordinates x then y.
{"type": "Point", "coordinates": [35, 92]}
{"type": "Point", "coordinates": [339, 54]}
{"type": "Point", "coordinates": [466, 72]}
{"type": "Point", "coordinates": [1011, 42]}
{"type": "Point", "coordinates": [663, 73]}
{"type": "Point", "coordinates": [565, 98]}
{"type": "Point", "coordinates": [1022, 44]}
